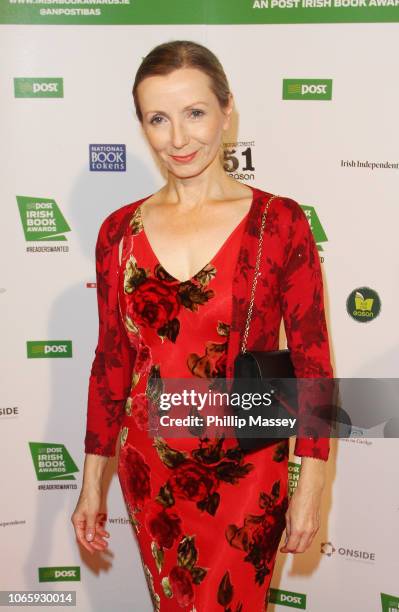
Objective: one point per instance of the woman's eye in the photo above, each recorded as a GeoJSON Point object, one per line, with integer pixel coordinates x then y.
{"type": "Point", "coordinates": [196, 112]}
{"type": "Point", "coordinates": [155, 118]}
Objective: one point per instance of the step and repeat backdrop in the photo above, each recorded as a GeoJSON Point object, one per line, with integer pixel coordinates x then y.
{"type": "Point", "coordinates": [316, 120]}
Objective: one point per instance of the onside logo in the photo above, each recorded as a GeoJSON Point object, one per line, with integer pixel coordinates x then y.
{"type": "Point", "coordinates": [59, 574]}
{"type": "Point", "coordinates": [39, 87]}
{"type": "Point", "coordinates": [287, 598]}
{"type": "Point", "coordinates": [39, 349]}
{"type": "Point", "coordinates": [328, 549]}
{"type": "Point", "coordinates": [52, 461]}
{"type": "Point", "coordinates": [41, 219]}
{"type": "Point", "coordinates": [307, 89]}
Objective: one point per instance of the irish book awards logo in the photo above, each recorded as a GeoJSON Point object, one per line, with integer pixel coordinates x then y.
{"type": "Point", "coordinates": [59, 574]}
{"type": "Point", "coordinates": [107, 157]}
{"type": "Point", "coordinates": [40, 349]}
{"type": "Point", "coordinates": [389, 603]}
{"type": "Point", "coordinates": [318, 232]}
{"type": "Point", "coordinates": [307, 89]}
{"type": "Point", "coordinates": [41, 219]}
{"type": "Point", "coordinates": [52, 461]}
{"type": "Point", "coordinates": [39, 87]}
{"type": "Point", "coordinates": [363, 304]}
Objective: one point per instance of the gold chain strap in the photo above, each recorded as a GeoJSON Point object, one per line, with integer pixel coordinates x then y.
{"type": "Point", "coordinates": [256, 274]}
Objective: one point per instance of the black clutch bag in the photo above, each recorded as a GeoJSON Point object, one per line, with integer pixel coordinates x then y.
{"type": "Point", "coordinates": [262, 372]}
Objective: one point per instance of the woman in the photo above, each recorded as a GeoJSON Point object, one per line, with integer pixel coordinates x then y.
{"type": "Point", "coordinates": [173, 282]}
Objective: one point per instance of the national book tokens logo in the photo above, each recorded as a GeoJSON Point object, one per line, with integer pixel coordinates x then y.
{"type": "Point", "coordinates": [389, 603]}
{"type": "Point", "coordinates": [363, 304]}
{"type": "Point", "coordinates": [307, 89]}
{"type": "Point", "coordinates": [38, 87]}
{"type": "Point", "coordinates": [52, 461]}
{"type": "Point", "coordinates": [108, 157]}
{"type": "Point", "coordinates": [59, 574]}
{"type": "Point", "coordinates": [318, 232]}
{"type": "Point", "coordinates": [287, 598]}
{"type": "Point", "coordinates": [39, 349]}
{"type": "Point", "coordinates": [41, 219]}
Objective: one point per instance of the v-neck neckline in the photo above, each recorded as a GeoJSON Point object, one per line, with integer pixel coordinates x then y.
{"type": "Point", "coordinates": [216, 255]}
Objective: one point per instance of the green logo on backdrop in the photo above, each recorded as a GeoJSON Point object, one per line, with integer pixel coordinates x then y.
{"type": "Point", "coordinates": [307, 89]}
{"type": "Point", "coordinates": [390, 603]}
{"type": "Point", "coordinates": [38, 88]}
{"type": "Point", "coordinates": [41, 219]}
{"type": "Point", "coordinates": [52, 461]}
{"type": "Point", "coordinates": [38, 349]}
{"type": "Point", "coordinates": [59, 574]}
{"type": "Point", "coordinates": [363, 304]}
{"type": "Point", "coordinates": [294, 469]}
{"type": "Point", "coordinates": [287, 598]}
{"type": "Point", "coordinates": [319, 234]}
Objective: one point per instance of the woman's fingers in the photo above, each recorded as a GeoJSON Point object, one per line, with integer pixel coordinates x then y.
{"type": "Point", "coordinates": [80, 534]}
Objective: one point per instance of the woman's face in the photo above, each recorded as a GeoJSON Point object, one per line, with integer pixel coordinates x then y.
{"type": "Point", "coordinates": [183, 120]}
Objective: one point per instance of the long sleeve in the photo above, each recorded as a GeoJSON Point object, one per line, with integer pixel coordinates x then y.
{"type": "Point", "coordinates": [302, 303]}
{"type": "Point", "coordinates": [112, 364]}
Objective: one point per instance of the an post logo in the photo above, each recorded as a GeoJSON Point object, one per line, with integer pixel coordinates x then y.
{"type": "Point", "coordinates": [40, 349]}
{"type": "Point", "coordinates": [318, 232]}
{"type": "Point", "coordinates": [389, 603]}
{"type": "Point", "coordinates": [39, 87]}
{"type": "Point", "coordinates": [59, 574]}
{"type": "Point", "coordinates": [41, 219]}
{"type": "Point", "coordinates": [307, 89]}
{"type": "Point", "coordinates": [287, 598]}
{"type": "Point", "coordinates": [363, 304]}
{"type": "Point", "coordinates": [107, 157]}
{"type": "Point", "coordinates": [52, 461]}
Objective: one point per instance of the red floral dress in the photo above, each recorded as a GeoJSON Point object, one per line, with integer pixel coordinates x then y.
{"type": "Point", "coordinates": [208, 519]}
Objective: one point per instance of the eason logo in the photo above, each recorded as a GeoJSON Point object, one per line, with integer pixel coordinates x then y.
{"type": "Point", "coordinates": [39, 349]}
{"type": "Point", "coordinates": [59, 574]}
{"type": "Point", "coordinates": [39, 87]}
{"type": "Point", "coordinates": [287, 598]}
{"type": "Point", "coordinates": [107, 157]}
{"type": "Point", "coordinates": [52, 461]}
{"type": "Point", "coordinates": [350, 554]}
{"type": "Point", "coordinates": [307, 89]}
{"type": "Point", "coordinates": [318, 232]}
{"type": "Point", "coordinates": [389, 603]}
{"type": "Point", "coordinates": [41, 219]}
{"type": "Point", "coordinates": [363, 304]}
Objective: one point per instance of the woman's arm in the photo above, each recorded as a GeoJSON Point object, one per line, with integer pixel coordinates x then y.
{"type": "Point", "coordinates": [302, 303]}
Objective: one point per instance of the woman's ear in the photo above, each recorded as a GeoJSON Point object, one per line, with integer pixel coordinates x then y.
{"type": "Point", "coordinates": [228, 111]}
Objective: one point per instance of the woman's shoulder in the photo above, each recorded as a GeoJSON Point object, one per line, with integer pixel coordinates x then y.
{"type": "Point", "coordinates": [114, 225]}
{"type": "Point", "coordinates": [285, 209]}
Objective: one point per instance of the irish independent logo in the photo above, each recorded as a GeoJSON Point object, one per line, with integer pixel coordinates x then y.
{"type": "Point", "coordinates": [38, 87]}
{"type": "Point", "coordinates": [37, 349]}
{"type": "Point", "coordinates": [108, 157]}
{"type": "Point", "coordinates": [307, 89]}
{"type": "Point", "coordinates": [363, 304]}
{"type": "Point", "coordinates": [52, 461]}
{"type": "Point", "coordinates": [41, 219]}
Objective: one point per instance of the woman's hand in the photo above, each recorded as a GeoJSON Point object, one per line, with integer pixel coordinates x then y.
{"type": "Point", "coordinates": [88, 521]}
{"type": "Point", "coordinates": [303, 514]}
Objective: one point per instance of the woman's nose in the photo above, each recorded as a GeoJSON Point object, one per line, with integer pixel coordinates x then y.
{"type": "Point", "coordinates": [179, 136]}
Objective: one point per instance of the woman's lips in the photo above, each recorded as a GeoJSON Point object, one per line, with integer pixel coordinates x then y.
{"type": "Point", "coordinates": [183, 159]}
